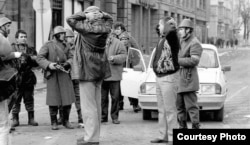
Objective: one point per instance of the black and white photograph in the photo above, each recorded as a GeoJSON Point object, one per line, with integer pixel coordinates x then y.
{"type": "Point", "coordinates": [124, 72]}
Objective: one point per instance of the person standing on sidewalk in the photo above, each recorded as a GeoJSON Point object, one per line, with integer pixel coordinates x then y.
{"type": "Point", "coordinates": [165, 66]}
{"type": "Point", "coordinates": [189, 57]}
{"type": "Point", "coordinates": [116, 54]}
{"type": "Point", "coordinates": [27, 78]}
{"type": "Point", "coordinates": [55, 58]}
{"type": "Point", "coordinates": [91, 66]}
{"type": "Point", "coordinates": [120, 32]}
{"type": "Point", "coordinates": [7, 78]}
{"type": "Point", "coordinates": [70, 40]}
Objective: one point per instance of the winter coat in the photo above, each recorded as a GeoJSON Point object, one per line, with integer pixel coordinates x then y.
{"type": "Point", "coordinates": [59, 85]}
{"type": "Point", "coordinates": [25, 64]}
{"type": "Point", "coordinates": [116, 49]}
{"type": "Point", "coordinates": [7, 71]}
{"type": "Point", "coordinates": [189, 80]}
{"type": "Point", "coordinates": [90, 62]}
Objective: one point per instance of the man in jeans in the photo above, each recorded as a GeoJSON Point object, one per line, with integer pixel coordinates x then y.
{"type": "Point", "coordinates": [165, 66]}
{"type": "Point", "coordinates": [91, 66]}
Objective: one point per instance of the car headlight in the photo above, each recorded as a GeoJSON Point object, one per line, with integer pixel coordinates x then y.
{"type": "Point", "coordinates": [208, 89]}
{"type": "Point", "coordinates": [148, 88]}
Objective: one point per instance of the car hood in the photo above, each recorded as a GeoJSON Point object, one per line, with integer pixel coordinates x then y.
{"type": "Point", "coordinates": [206, 75]}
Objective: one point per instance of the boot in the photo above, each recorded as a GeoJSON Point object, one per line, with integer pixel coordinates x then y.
{"type": "Point", "coordinates": [66, 111]}
{"type": "Point", "coordinates": [15, 120]}
{"type": "Point", "coordinates": [54, 122]}
{"type": "Point", "coordinates": [195, 126]}
{"type": "Point", "coordinates": [60, 119]}
{"type": "Point", "coordinates": [31, 119]}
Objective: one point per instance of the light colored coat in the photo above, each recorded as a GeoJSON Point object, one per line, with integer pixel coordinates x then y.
{"type": "Point", "coordinates": [118, 51]}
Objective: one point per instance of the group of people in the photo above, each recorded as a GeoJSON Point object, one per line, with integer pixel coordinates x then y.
{"type": "Point", "coordinates": [87, 66]}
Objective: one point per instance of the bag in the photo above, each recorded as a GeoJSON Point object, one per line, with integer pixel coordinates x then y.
{"type": "Point", "coordinates": [8, 85]}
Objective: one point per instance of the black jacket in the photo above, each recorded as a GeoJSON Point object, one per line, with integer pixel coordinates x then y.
{"type": "Point", "coordinates": [25, 64]}
{"type": "Point", "coordinates": [165, 60]}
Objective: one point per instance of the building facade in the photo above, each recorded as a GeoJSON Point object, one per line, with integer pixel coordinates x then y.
{"type": "Point", "coordinates": [139, 16]}
{"type": "Point", "coordinates": [224, 21]}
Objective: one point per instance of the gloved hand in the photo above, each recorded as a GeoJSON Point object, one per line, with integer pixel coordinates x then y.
{"type": "Point", "coordinates": [66, 66]}
{"type": "Point", "coordinates": [52, 66]}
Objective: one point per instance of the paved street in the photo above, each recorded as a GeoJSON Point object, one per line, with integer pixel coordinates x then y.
{"type": "Point", "coordinates": [133, 130]}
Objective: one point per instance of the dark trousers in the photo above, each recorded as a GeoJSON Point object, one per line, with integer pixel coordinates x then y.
{"type": "Point", "coordinates": [27, 94]}
{"type": "Point", "coordinates": [78, 101]}
{"type": "Point", "coordinates": [133, 101]}
{"type": "Point", "coordinates": [112, 87]}
{"type": "Point", "coordinates": [77, 94]}
{"type": "Point", "coordinates": [187, 103]}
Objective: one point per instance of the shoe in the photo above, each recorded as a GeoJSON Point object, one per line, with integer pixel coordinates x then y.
{"type": "Point", "coordinates": [104, 120]}
{"type": "Point", "coordinates": [157, 140]}
{"type": "Point", "coordinates": [80, 125]}
{"type": "Point", "coordinates": [68, 125]}
{"type": "Point", "coordinates": [54, 126]}
{"type": "Point", "coordinates": [116, 121]}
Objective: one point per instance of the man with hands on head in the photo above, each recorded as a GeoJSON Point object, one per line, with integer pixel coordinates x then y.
{"type": "Point", "coordinates": [91, 66]}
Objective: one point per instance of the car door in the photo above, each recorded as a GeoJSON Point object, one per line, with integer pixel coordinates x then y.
{"type": "Point", "coordinates": [133, 73]}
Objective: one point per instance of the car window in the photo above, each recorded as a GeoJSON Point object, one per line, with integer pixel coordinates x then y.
{"type": "Point", "coordinates": [134, 60]}
{"type": "Point", "coordinates": [208, 59]}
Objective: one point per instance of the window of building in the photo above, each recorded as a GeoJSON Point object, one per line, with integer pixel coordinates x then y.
{"type": "Point", "coordinates": [57, 13]}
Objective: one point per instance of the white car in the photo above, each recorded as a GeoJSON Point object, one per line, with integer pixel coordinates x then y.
{"type": "Point", "coordinates": [139, 82]}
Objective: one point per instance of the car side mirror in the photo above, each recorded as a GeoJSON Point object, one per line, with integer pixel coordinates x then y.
{"type": "Point", "coordinates": [226, 68]}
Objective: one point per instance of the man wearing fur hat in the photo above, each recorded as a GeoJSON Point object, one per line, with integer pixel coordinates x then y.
{"type": "Point", "coordinates": [91, 66]}
{"type": "Point", "coordinates": [165, 66]}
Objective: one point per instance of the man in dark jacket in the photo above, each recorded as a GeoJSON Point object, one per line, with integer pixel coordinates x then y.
{"type": "Point", "coordinates": [27, 78]}
{"type": "Point", "coordinates": [188, 58]}
{"type": "Point", "coordinates": [91, 66]}
{"type": "Point", "coordinates": [165, 66]}
{"type": "Point", "coordinates": [116, 53]}
{"type": "Point", "coordinates": [7, 78]}
{"type": "Point", "coordinates": [129, 41]}
{"type": "Point", "coordinates": [55, 58]}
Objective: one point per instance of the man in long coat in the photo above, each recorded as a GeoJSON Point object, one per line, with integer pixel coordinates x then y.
{"type": "Point", "coordinates": [55, 58]}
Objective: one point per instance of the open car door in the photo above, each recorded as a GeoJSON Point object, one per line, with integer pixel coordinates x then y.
{"type": "Point", "coordinates": [133, 74]}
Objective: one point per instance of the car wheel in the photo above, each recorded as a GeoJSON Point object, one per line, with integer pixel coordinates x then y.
{"type": "Point", "coordinates": [146, 114]}
{"type": "Point", "coordinates": [219, 114]}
